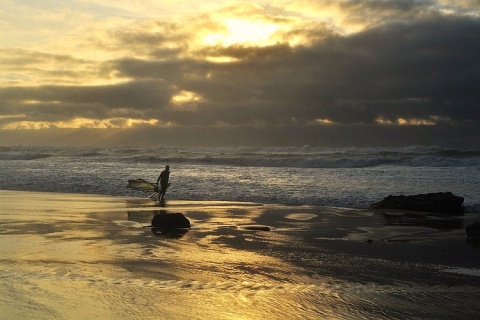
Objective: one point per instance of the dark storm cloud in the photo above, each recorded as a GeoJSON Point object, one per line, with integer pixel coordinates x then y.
{"type": "Point", "coordinates": [64, 102]}
{"type": "Point", "coordinates": [172, 70]}
{"type": "Point", "coordinates": [420, 69]}
{"type": "Point", "coordinates": [433, 62]}
{"type": "Point", "coordinates": [411, 70]}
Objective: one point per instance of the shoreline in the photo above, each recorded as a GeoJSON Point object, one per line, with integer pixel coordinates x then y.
{"type": "Point", "coordinates": [83, 256]}
{"type": "Point", "coordinates": [469, 209]}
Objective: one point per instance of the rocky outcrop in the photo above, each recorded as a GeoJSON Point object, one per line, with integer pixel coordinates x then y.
{"type": "Point", "coordinates": [441, 202]}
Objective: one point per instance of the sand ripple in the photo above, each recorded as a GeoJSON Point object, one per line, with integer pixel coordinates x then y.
{"type": "Point", "coordinates": [134, 296]}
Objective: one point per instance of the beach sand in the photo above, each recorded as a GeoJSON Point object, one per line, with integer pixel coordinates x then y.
{"type": "Point", "coordinates": [70, 256]}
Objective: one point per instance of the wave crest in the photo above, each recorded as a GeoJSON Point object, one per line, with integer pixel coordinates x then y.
{"type": "Point", "coordinates": [23, 156]}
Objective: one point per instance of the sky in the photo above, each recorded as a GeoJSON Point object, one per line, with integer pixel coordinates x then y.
{"type": "Point", "coordinates": [347, 73]}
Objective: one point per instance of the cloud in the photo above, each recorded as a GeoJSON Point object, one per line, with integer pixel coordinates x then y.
{"type": "Point", "coordinates": [138, 100]}
{"type": "Point", "coordinates": [405, 65]}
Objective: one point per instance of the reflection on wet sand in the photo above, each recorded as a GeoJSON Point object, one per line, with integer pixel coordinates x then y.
{"type": "Point", "coordinates": [89, 257]}
{"type": "Point", "coordinates": [440, 222]}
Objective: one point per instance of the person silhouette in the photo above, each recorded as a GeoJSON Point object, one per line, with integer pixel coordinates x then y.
{"type": "Point", "coordinates": [163, 179]}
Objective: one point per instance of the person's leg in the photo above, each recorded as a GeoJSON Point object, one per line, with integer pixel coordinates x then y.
{"type": "Point", "coordinates": [162, 193]}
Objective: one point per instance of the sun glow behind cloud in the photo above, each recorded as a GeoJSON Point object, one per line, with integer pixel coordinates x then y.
{"type": "Point", "coordinates": [186, 100]}
{"type": "Point", "coordinates": [243, 32]}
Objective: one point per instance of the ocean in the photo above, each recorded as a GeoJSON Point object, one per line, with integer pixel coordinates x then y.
{"type": "Point", "coordinates": [344, 178]}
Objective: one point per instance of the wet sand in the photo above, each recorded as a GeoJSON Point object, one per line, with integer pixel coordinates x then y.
{"type": "Point", "coordinates": [69, 256]}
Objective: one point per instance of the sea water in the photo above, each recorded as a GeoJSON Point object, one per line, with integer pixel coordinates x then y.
{"type": "Point", "coordinates": [348, 178]}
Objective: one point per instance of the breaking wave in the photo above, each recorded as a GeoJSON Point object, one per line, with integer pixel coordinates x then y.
{"type": "Point", "coordinates": [352, 178]}
{"type": "Point", "coordinates": [307, 157]}
{"type": "Point", "coordinates": [292, 157]}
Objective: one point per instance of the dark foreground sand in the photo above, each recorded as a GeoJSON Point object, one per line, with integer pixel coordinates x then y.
{"type": "Point", "coordinates": [65, 256]}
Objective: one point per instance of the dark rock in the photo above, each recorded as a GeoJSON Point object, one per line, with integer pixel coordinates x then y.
{"type": "Point", "coordinates": [167, 221]}
{"type": "Point", "coordinates": [473, 230]}
{"type": "Point", "coordinates": [441, 202]}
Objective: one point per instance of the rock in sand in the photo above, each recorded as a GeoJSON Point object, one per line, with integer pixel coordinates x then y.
{"type": "Point", "coordinates": [440, 202]}
{"type": "Point", "coordinates": [167, 221]}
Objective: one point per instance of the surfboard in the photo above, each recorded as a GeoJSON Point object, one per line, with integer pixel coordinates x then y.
{"type": "Point", "coordinates": [142, 185]}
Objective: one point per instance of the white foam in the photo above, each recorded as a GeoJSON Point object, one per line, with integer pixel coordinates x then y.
{"type": "Point", "coordinates": [463, 271]}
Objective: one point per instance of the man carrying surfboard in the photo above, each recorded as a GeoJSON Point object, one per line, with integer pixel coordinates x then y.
{"type": "Point", "coordinates": [163, 179]}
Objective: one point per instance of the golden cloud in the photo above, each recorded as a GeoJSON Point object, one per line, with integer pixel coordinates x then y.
{"type": "Point", "coordinates": [324, 122]}
{"type": "Point", "coordinates": [77, 123]}
{"type": "Point", "coordinates": [407, 121]}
